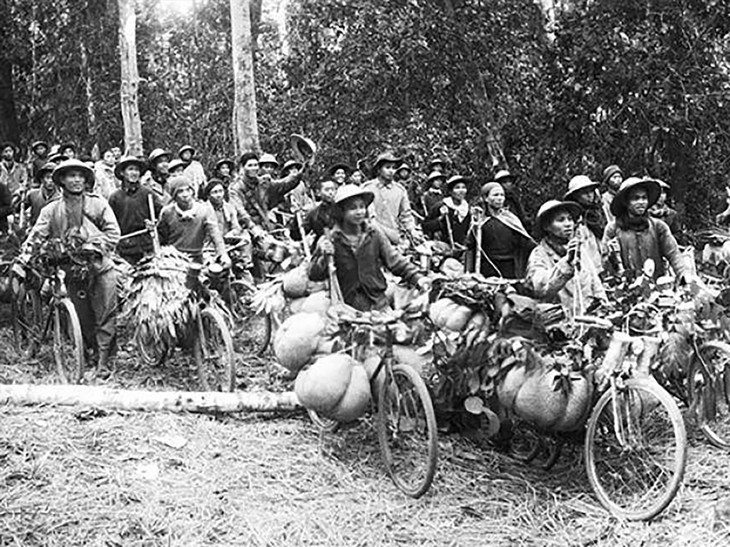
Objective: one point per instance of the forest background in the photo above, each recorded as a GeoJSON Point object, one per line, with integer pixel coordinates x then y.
{"type": "Point", "coordinates": [548, 89]}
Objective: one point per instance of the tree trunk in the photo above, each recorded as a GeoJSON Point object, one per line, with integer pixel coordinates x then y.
{"type": "Point", "coordinates": [130, 78]}
{"type": "Point", "coordinates": [122, 399]}
{"type": "Point", "coordinates": [246, 133]}
{"type": "Point", "coordinates": [8, 119]}
{"type": "Point", "coordinates": [90, 106]}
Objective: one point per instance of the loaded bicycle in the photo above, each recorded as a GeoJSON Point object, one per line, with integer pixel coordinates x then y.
{"type": "Point", "coordinates": [42, 282]}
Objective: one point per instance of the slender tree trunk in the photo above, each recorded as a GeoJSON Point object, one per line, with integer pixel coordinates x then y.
{"type": "Point", "coordinates": [90, 106]}
{"type": "Point", "coordinates": [8, 119]}
{"type": "Point", "coordinates": [130, 78]}
{"type": "Point", "coordinates": [246, 131]}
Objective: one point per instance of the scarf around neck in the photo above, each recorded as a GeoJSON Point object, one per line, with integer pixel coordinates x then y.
{"type": "Point", "coordinates": [462, 210]}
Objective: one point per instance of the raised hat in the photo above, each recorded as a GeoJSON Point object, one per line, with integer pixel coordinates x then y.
{"type": "Point", "coordinates": [268, 158]}
{"type": "Point", "coordinates": [349, 191]}
{"type": "Point", "coordinates": [578, 183]}
{"type": "Point", "coordinates": [157, 154]}
{"type": "Point", "coordinates": [618, 205]}
{"type": "Point", "coordinates": [386, 157]}
{"type": "Point", "coordinates": [125, 162]}
{"type": "Point", "coordinates": [71, 165]}
{"type": "Point", "coordinates": [551, 207]}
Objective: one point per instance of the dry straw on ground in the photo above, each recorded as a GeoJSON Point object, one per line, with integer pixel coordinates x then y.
{"type": "Point", "coordinates": [81, 477]}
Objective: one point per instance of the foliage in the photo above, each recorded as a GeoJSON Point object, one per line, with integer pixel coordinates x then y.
{"type": "Point", "coordinates": [641, 83]}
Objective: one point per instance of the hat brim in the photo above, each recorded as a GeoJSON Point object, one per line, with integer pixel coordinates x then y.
{"type": "Point", "coordinates": [229, 163]}
{"type": "Point", "coordinates": [571, 194]}
{"type": "Point", "coordinates": [158, 157]}
{"type": "Point", "coordinates": [381, 161]}
{"type": "Point", "coordinates": [367, 195]}
{"type": "Point", "coordinates": [185, 149]}
{"type": "Point", "coordinates": [573, 208]}
{"type": "Point", "coordinates": [331, 170]}
{"type": "Point", "coordinates": [618, 205]}
{"type": "Point", "coordinates": [457, 180]}
{"type": "Point", "coordinates": [122, 165]}
{"type": "Point", "coordinates": [61, 170]}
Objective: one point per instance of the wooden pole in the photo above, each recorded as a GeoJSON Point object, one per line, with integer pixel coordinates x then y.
{"type": "Point", "coordinates": [122, 399]}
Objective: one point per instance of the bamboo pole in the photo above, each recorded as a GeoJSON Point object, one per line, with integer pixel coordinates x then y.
{"type": "Point", "coordinates": [122, 399]}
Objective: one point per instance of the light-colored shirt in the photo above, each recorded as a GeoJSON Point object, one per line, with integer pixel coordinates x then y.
{"type": "Point", "coordinates": [391, 208]}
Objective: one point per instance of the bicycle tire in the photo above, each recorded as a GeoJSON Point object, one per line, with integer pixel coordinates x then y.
{"type": "Point", "coordinates": [407, 432]}
{"type": "Point", "coordinates": [258, 333]}
{"type": "Point", "coordinates": [708, 390]}
{"type": "Point", "coordinates": [27, 318]}
{"type": "Point", "coordinates": [68, 344]}
{"type": "Point", "coordinates": [214, 355]}
{"type": "Point", "coordinates": [647, 409]}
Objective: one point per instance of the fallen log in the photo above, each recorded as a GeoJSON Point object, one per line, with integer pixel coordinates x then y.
{"type": "Point", "coordinates": [123, 399]}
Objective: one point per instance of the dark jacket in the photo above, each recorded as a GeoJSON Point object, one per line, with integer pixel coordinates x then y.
{"type": "Point", "coordinates": [360, 271]}
{"type": "Point", "coordinates": [652, 239]}
{"type": "Point", "coordinates": [131, 211]}
{"type": "Point", "coordinates": [435, 225]}
{"type": "Point", "coordinates": [254, 198]}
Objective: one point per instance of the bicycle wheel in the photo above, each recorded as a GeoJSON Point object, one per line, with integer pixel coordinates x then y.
{"type": "Point", "coordinates": [636, 450]}
{"type": "Point", "coordinates": [709, 392]}
{"type": "Point", "coordinates": [27, 318]}
{"type": "Point", "coordinates": [407, 430]}
{"type": "Point", "coordinates": [258, 333]}
{"type": "Point", "coordinates": [216, 368]}
{"type": "Point", "coordinates": [68, 345]}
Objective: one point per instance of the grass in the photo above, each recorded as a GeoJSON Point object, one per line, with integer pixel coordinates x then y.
{"type": "Point", "coordinates": [87, 477]}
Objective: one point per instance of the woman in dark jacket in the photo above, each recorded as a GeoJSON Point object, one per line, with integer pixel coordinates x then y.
{"type": "Point", "coordinates": [500, 244]}
{"type": "Point", "coordinates": [360, 252]}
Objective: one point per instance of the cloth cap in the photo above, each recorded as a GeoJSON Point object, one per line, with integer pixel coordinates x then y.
{"type": "Point", "coordinates": [179, 182]}
{"type": "Point", "coordinates": [610, 171]}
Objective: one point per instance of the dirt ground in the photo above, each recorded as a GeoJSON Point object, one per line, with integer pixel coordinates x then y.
{"type": "Point", "coordinates": [87, 477]}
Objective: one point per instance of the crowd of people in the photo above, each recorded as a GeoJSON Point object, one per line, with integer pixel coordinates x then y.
{"type": "Point", "coordinates": [361, 217]}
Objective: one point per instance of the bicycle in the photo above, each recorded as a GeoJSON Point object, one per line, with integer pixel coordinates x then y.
{"type": "Point", "coordinates": [32, 331]}
{"type": "Point", "coordinates": [705, 386]}
{"type": "Point", "coordinates": [212, 343]}
{"type": "Point", "coordinates": [635, 442]}
{"type": "Point", "coordinates": [405, 419]}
